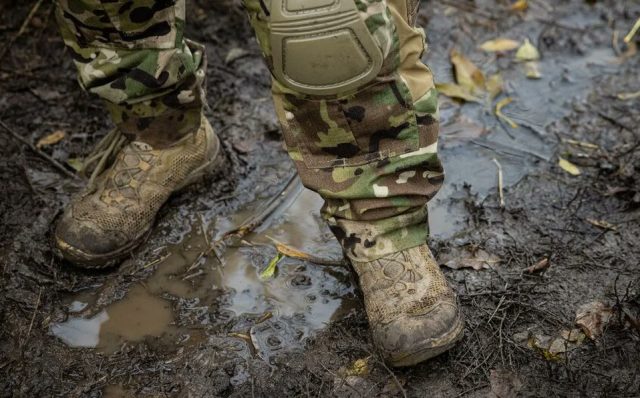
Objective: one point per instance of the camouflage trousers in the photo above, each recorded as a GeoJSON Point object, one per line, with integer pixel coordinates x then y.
{"type": "Point", "coordinates": [371, 152]}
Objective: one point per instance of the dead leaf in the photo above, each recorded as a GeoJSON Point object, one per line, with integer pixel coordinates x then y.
{"type": "Point", "coordinates": [454, 90]}
{"type": "Point", "coordinates": [467, 74]}
{"type": "Point", "coordinates": [494, 85]}
{"type": "Point", "coordinates": [554, 348]}
{"type": "Point", "coordinates": [499, 45]}
{"type": "Point", "coordinates": [242, 336]}
{"type": "Point", "coordinates": [568, 167]}
{"type": "Point", "coordinates": [628, 96]}
{"type": "Point", "coordinates": [292, 252]}
{"type": "Point", "coordinates": [527, 52]}
{"type": "Point", "coordinates": [504, 383]}
{"type": "Point", "coordinates": [359, 367]}
{"type": "Point", "coordinates": [593, 317]}
{"type": "Point", "coordinates": [76, 164]}
{"type": "Point", "coordinates": [531, 70]}
{"type": "Point", "coordinates": [561, 345]}
{"type": "Point", "coordinates": [542, 344]}
{"type": "Point", "coordinates": [539, 266]}
{"type": "Point", "coordinates": [471, 84]}
{"type": "Point", "coordinates": [602, 224]}
{"type": "Point", "coordinates": [51, 139]}
{"type": "Point", "coordinates": [466, 257]}
{"type": "Point", "coordinates": [501, 104]}
{"type": "Point", "coordinates": [520, 5]}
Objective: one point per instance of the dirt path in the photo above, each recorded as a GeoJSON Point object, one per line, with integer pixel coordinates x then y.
{"type": "Point", "coordinates": [179, 319]}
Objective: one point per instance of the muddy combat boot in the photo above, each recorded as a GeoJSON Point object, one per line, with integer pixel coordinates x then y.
{"type": "Point", "coordinates": [413, 313]}
{"type": "Point", "coordinates": [115, 214]}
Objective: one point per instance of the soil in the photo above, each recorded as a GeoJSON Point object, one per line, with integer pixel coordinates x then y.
{"type": "Point", "coordinates": [181, 319]}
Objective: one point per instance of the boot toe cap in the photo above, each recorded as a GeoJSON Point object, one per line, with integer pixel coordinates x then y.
{"type": "Point", "coordinates": [84, 243]}
{"type": "Point", "coordinates": [410, 339]}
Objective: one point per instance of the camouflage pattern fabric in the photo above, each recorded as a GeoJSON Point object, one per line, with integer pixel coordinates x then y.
{"type": "Point", "coordinates": [370, 153]}
{"type": "Point", "coordinates": [132, 54]}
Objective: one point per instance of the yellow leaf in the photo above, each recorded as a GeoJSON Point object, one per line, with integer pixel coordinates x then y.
{"type": "Point", "coordinates": [520, 5]}
{"type": "Point", "coordinates": [569, 167]}
{"type": "Point", "coordinates": [360, 367]}
{"type": "Point", "coordinates": [628, 96]}
{"type": "Point", "coordinates": [501, 104]}
{"type": "Point", "coordinates": [494, 85]}
{"type": "Point", "coordinates": [76, 164]}
{"type": "Point", "coordinates": [271, 268]}
{"type": "Point", "coordinates": [527, 52]}
{"type": "Point", "coordinates": [51, 139]}
{"type": "Point", "coordinates": [467, 74]}
{"type": "Point", "coordinates": [456, 91]}
{"type": "Point", "coordinates": [531, 70]}
{"type": "Point", "coordinates": [499, 44]}
{"type": "Point", "coordinates": [632, 32]}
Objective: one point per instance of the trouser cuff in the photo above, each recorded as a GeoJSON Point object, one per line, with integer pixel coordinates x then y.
{"type": "Point", "coordinates": [367, 241]}
{"type": "Point", "coordinates": [165, 118]}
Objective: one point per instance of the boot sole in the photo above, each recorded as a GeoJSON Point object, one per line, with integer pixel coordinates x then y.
{"type": "Point", "coordinates": [103, 261]}
{"type": "Point", "coordinates": [430, 348]}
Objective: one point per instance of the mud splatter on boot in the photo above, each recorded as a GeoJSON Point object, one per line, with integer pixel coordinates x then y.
{"type": "Point", "coordinates": [115, 214]}
{"type": "Point", "coordinates": [413, 313]}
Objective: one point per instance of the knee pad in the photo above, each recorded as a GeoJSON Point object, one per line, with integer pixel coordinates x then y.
{"type": "Point", "coordinates": [322, 47]}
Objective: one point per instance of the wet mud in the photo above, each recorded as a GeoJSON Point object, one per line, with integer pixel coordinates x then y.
{"type": "Point", "coordinates": [190, 314]}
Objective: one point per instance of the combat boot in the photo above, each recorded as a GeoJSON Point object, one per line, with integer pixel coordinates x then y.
{"type": "Point", "coordinates": [413, 313]}
{"type": "Point", "coordinates": [116, 213]}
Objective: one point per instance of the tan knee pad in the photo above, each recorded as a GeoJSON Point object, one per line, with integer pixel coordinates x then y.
{"type": "Point", "coordinates": [322, 47]}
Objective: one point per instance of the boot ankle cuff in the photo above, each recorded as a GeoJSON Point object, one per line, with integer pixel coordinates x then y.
{"type": "Point", "coordinates": [368, 241]}
{"type": "Point", "coordinates": [161, 127]}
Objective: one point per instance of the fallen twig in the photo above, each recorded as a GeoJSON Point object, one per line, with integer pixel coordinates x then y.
{"type": "Point", "coordinates": [632, 32]}
{"type": "Point", "coordinates": [33, 317]}
{"type": "Point", "coordinates": [38, 152]}
{"type": "Point", "coordinates": [291, 252]}
{"type": "Point", "coordinates": [253, 222]}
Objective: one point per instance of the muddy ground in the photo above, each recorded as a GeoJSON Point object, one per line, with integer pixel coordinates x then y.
{"type": "Point", "coordinates": [181, 320]}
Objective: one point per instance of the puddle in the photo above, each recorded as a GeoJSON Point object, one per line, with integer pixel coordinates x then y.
{"type": "Point", "coordinates": [195, 294]}
{"type": "Point", "coordinates": [471, 136]}
{"type": "Point", "coordinates": [196, 288]}
{"type": "Point", "coordinates": [133, 319]}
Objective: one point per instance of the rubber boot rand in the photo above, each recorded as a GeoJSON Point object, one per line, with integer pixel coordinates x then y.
{"type": "Point", "coordinates": [412, 311]}
{"type": "Point", "coordinates": [116, 213]}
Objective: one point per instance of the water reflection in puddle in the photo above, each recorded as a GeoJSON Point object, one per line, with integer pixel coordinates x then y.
{"type": "Point", "coordinates": [209, 289]}
{"type": "Point", "coordinates": [138, 316]}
